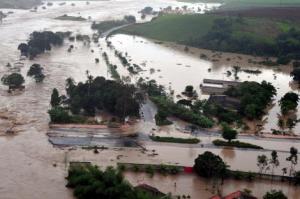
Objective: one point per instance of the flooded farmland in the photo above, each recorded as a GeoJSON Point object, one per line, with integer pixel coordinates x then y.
{"type": "Point", "coordinates": [31, 168]}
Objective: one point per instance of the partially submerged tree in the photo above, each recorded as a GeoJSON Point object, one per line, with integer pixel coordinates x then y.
{"type": "Point", "coordinates": [209, 165]}
{"type": "Point", "coordinates": [14, 80]}
{"type": "Point", "coordinates": [228, 133]}
{"type": "Point", "coordinates": [55, 98]}
{"type": "Point", "coordinates": [273, 194]}
{"type": "Point", "coordinates": [293, 158]}
{"type": "Point", "coordinates": [36, 71]}
{"type": "Point", "coordinates": [289, 102]}
{"type": "Point", "coordinates": [262, 163]}
{"type": "Point", "coordinates": [274, 161]}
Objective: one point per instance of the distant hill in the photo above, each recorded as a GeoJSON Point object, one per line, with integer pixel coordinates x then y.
{"type": "Point", "coordinates": [240, 4]}
{"type": "Point", "coordinates": [237, 4]}
{"type": "Point", "coordinates": [19, 4]}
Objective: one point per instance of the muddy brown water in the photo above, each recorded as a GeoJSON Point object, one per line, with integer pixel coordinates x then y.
{"type": "Point", "coordinates": [30, 167]}
{"type": "Point", "coordinates": [197, 187]}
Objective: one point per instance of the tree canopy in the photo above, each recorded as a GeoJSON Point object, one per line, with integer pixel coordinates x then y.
{"type": "Point", "coordinates": [89, 183]}
{"type": "Point", "coordinates": [228, 133]}
{"type": "Point", "coordinates": [39, 42]}
{"type": "Point", "coordinates": [289, 102]}
{"type": "Point", "coordinates": [14, 79]}
{"type": "Point", "coordinates": [254, 97]}
{"type": "Point", "coordinates": [273, 194]}
{"type": "Point", "coordinates": [209, 165]}
{"type": "Point", "coordinates": [36, 71]}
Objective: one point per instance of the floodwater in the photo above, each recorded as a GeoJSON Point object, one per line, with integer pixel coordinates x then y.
{"type": "Point", "coordinates": [194, 186]}
{"type": "Point", "coordinates": [30, 167]}
{"type": "Point", "coordinates": [175, 68]}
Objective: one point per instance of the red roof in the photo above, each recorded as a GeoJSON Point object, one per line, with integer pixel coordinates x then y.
{"type": "Point", "coordinates": [235, 195]}
{"type": "Point", "coordinates": [239, 195]}
{"type": "Point", "coordinates": [188, 169]}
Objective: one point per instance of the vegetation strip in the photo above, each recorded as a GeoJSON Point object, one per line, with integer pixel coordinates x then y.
{"type": "Point", "coordinates": [237, 144]}
{"type": "Point", "coordinates": [175, 140]}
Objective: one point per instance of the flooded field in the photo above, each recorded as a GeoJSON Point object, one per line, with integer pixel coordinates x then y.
{"type": "Point", "coordinates": [31, 168]}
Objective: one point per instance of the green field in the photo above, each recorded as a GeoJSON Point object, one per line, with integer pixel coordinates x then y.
{"type": "Point", "coordinates": [230, 4]}
{"type": "Point", "coordinates": [259, 3]}
{"type": "Point", "coordinates": [247, 35]}
{"type": "Point", "coordinates": [183, 28]}
{"type": "Point", "coordinates": [175, 28]}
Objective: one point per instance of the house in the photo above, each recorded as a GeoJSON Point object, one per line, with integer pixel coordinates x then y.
{"type": "Point", "coordinates": [217, 87]}
{"type": "Point", "coordinates": [235, 195]}
{"type": "Point", "coordinates": [225, 102]}
{"type": "Point", "coordinates": [150, 190]}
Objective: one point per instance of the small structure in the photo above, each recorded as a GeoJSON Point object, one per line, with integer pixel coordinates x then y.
{"type": "Point", "coordinates": [150, 190]}
{"type": "Point", "coordinates": [217, 87]}
{"type": "Point", "coordinates": [235, 195]}
{"type": "Point", "coordinates": [225, 102]}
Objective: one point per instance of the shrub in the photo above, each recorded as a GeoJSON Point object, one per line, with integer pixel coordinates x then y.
{"type": "Point", "coordinates": [237, 144]}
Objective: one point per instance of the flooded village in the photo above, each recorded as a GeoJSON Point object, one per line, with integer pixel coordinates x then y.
{"type": "Point", "coordinates": [83, 85]}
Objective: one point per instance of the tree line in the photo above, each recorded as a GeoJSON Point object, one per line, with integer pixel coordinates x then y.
{"type": "Point", "coordinates": [39, 42]}
{"type": "Point", "coordinates": [86, 98]}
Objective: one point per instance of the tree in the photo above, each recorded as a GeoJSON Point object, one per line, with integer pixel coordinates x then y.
{"type": "Point", "coordinates": [36, 71]}
{"type": "Point", "coordinates": [289, 102]}
{"type": "Point", "coordinates": [274, 161]}
{"type": "Point", "coordinates": [13, 80]}
{"type": "Point", "coordinates": [130, 18]}
{"type": "Point", "coordinates": [189, 91]}
{"type": "Point", "coordinates": [228, 133]}
{"type": "Point", "coordinates": [250, 111]}
{"type": "Point", "coordinates": [293, 158]}
{"type": "Point", "coordinates": [262, 163]}
{"type": "Point", "coordinates": [59, 115]}
{"type": "Point", "coordinates": [23, 48]}
{"type": "Point", "coordinates": [296, 74]}
{"type": "Point", "coordinates": [161, 118]}
{"type": "Point", "coordinates": [273, 194]}
{"type": "Point", "coordinates": [209, 165]}
{"type": "Point", "coordinates": [55, 99]}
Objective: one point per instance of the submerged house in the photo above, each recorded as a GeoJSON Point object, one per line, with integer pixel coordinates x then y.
{"type": "Point", "coordinates": [225, 102]}
{"type": "Point", "coordinates": [235, 195]}
{"type": "Point", "coordinates": [217, 87]}
{"type": "Point", "coordinates": [150, 190]}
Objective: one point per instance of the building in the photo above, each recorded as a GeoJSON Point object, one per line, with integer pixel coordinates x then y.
{"type": "Point", "coordinates": [150, 190]}
{"type": "Point", "coordinates": [225, 102]}
{"type": "Point", "coordinates": [217, 87]}
{"type": "Point", "coordinates": [235, 195]}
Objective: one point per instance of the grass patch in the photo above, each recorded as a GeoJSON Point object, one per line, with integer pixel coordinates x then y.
{"type": "Point", "coordinates": [70, 18]}
{"type": "Point", "coordinates": [237, 144]}
{"type": "Point", "coordinates": [104, 26]}
{"type": "Point", "coordinates": [175, 140]}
